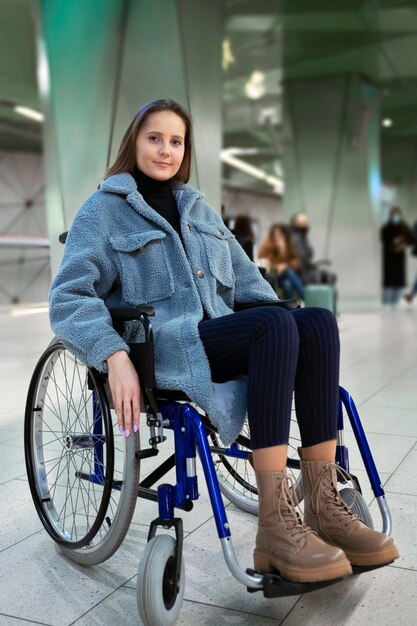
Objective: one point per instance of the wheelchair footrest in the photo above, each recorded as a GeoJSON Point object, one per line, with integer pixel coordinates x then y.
{"type": "Point", "coordinates": [274, 586]}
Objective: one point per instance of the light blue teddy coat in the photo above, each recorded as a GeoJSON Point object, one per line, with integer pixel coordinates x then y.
{"type": "Point", "coordinates": [120, 251]}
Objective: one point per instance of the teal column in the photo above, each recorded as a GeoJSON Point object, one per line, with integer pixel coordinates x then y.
{"type": "Point", "coordinates": [332, 173]}
{"type": "Point", "coordinates": [172, 49]}
{"type": "Point", "coordinates": [399, 171]}
{"type": "Point", "coordinates": [79, 45]}
{"type": "Point", "coordinates": [99, 62]}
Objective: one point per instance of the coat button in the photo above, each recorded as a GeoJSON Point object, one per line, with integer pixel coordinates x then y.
{"type": "Point", "coordinates": [188, 228]}
{"type": "Point", "coordinates": [220, 233]}
{"type": "Point", "coordinates": [200, 273]}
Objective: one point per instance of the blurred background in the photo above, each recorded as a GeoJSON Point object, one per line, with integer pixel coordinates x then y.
{"type": "Point", "coordinates": [299, 106]}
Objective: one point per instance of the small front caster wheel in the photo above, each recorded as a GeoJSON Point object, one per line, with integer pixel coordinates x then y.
{"type": "Point", "coordinates": [159, 595]}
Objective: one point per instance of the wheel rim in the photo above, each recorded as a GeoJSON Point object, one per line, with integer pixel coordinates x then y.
{"type": "Point", "coordinates": [69, 448]}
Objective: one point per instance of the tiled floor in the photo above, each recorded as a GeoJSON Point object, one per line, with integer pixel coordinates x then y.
{"type": "Point", "coordinates": [39, 586]}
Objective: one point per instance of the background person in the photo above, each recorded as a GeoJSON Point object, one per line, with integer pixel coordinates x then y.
{"type": "Point", "coordinates": [396, 236]}
{"type": "Point", "coordinates": [244, 234]}
{"type": "Point", "coordinates": [146, 237]}
{"type": "Point", "coordinates": [311, 272]}
{"type": "Point", "coordinates": [279, 258]}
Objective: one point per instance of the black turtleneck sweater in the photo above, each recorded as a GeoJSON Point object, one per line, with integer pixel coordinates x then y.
{"type": "Point", "coordinates": [158, 194]}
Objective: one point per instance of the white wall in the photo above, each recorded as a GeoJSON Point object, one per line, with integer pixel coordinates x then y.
{"type": "Point", "coordinates": [24, 271]}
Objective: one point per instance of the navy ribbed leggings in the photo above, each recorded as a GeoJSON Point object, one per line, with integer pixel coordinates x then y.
{"type": "Point", "coordinates": [281, 352]}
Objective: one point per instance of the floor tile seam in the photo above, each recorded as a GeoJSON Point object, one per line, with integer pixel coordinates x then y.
{"type": "Point", "coordinates": [8, 444]}
{"type": "Point", "coordinates": [373, 432]}
{"type": "Point", "coordinates": [300, 598]}
{"type": "Point", "coordinates": [25, 621]}
{"type": "Point", "coordinates": [292, 609]}
{"type": "Point", "coordinates": [394, 408]}
{"type": "Point", "coordinates": [211, 517]}
{"type": "Point", "coordinates": [125, 584]}
{"type": "Point", "coordinates": [16, 543]}
{"type": "Point", "coordinates": [103, 599]}
{"type": "Point", "coordinates": [386, 385]}
{"type": "Point", "coordinates": [220, 606]}
{"type": "Point", "coordinates": [405, 569]}
{"type": "Point", "coordinates": [22, 478]}
{"type": "Point", "coordinates": [400, 493]}
{"type": "Point", "coordinates": [403, 459]}
{"type": "Point", "coordinates": [186, 532]}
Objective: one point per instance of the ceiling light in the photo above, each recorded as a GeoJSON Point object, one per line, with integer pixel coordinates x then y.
{"type": "Point", "coordinates": [386, 122]}
{"type": "Point", "coordinates": [31, 113]}
{"type": "Point", "coordinates": [242, 151]}
{"type": "Point", "coordinates": [273, 181]}
{"type": "Point", "coordinates": [228, 57]}
{"type": "Point", "coordinates": [255, 87]}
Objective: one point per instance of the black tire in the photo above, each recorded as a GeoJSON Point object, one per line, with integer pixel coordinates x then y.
{"type": "Point", "coordinates": [83, 474]}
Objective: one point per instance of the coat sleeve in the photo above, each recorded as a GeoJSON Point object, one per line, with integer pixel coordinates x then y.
{"type": "Point", "coordinates": [78, 314]}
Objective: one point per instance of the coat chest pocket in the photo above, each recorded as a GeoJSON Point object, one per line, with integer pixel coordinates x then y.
{"type": "Point", "coordinates": [145, 272]}
{"type": "Point", "coordinates": [218, 254]}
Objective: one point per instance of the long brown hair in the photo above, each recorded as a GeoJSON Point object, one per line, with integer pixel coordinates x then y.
{"type": "Point", "coordinates": [126, 156]}
{"type": "Point", "coordinates": [269, 249]}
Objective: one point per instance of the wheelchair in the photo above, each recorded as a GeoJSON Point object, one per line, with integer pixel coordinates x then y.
{"type": "Point", "coordinates": [84, 475]}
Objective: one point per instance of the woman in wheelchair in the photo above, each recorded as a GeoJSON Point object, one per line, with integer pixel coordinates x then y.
{"type": "Point", "coordinates": [147, 237]}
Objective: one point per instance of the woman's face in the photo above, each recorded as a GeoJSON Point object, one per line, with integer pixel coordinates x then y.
{"type": "Point", "coordinates": [160, 145]}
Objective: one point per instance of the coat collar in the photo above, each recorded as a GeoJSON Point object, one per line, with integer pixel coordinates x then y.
{"type": "Point", "coordinates": [124, 184]}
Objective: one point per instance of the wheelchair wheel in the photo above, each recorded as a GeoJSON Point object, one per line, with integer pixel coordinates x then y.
{"type": "Point", "coordinates": [83, 474]}
{"type": "Point", "coordinates": [159, 598]}
{"type": "Point", "coordinates": [236, 476]}
{"type": "Point", "coordinates": [357, 504]}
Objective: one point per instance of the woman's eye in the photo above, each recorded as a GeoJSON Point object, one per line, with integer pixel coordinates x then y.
{"type": "Point", "coordinates": [177, 142]}
{"type": "Point", "coordinates": [153, 138]}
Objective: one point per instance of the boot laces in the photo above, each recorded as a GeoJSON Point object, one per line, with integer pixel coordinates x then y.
{"type": "Point", "coordinates": [289, 510]}
{"type": "Point", "coordinates": [334, 503]}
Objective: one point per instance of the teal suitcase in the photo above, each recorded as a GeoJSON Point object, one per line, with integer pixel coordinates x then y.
{"type": "Point", "coordinates": [321, 295]}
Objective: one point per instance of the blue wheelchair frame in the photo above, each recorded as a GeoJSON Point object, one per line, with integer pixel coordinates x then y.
{"type": "Point", "coordinates": [190, 435]}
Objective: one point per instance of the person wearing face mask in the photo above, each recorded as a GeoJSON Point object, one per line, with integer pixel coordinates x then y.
{"type": "Point", "coordinates": [396, 236]}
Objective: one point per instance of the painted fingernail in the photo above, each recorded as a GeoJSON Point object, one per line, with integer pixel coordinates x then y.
{"type": "Point", "coordinates": [135, 428]}
{"type": "Point", "coordinates": [122, 430]}
{"type": "Point", "coordinates": [127, 432]}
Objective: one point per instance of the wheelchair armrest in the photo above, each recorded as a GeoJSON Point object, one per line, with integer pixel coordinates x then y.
{"type": "Point", "coordinates": [141, 354]}
{"type": "Point", "coordinates": [126, 314]}
{"type": "Point", "coordinates": [285, 304]}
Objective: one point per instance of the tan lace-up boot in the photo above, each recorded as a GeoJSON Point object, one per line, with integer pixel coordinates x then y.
{"type": "Point", "coordinates": [285, 543]}
{"type": "Point", "coordinates": [328, 515]}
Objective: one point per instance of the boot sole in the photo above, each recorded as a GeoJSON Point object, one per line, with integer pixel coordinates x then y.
{"type": "Point", "coordinates": [267, 563]}
{"type": "Point", "coordinates": [382, 557]}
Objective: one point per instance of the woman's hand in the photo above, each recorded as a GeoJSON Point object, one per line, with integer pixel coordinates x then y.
{"type": "Point", "coordinates": [281, 267]}
{"type": "Point", "coordinates": [125, 390]}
